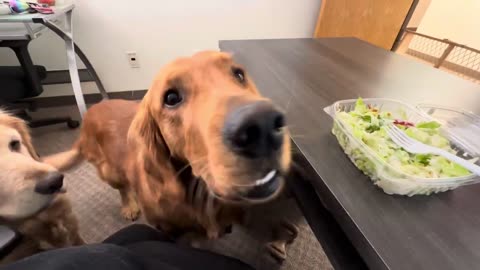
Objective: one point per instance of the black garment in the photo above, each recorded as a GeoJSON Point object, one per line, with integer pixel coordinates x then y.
{"type": "Point", "coordinates": [137, 247]}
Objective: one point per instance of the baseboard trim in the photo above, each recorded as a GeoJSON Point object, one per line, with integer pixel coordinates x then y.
{"type": "Point", "coordinates": [63, 76]}
{"type": "Point", "coordinates": [58, 101]}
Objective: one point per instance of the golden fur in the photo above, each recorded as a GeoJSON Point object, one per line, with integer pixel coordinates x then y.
{"type": "Point", "coordinates": [45, 221]}
{"type": "Point", "coordinates": [153, 154]}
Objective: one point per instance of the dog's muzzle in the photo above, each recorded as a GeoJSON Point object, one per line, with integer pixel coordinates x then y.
{"type": "Point", "coordinates": [51, 184]}
{"type": "Point", "coordinates": [265, 188]}
{"type": "Point", "coordinates": [260, 191]}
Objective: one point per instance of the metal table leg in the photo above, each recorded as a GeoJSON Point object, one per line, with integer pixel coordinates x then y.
{"type": "Point", "coordinates": [67, 36]}
{"type": "Point", "coordinates": [91, 71]}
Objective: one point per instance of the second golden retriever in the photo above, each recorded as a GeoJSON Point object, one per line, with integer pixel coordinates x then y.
{"type": "Point", "coordinates": [30, 199]}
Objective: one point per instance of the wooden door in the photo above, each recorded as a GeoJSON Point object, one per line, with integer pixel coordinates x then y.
{"type": "Point", "coordinates": [375, 21]}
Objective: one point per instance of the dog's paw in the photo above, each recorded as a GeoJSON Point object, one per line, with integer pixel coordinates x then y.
{"type": "Point", "coordinates": [284, 234]}
{"type": "Point", "coordinates": [213, 234]}
{"type": "Point", "coordinates": [130, 212]}
{"type": "Point", "coordinates": [289, 232]}
{"type": "Point", "coordinates": [277, 250]}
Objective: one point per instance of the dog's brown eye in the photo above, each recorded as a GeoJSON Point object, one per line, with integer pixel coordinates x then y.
{"type": "Point", "coordinates": [172, 97]}
{"type": "Point", "coordinates": [239, 74]}
{"type": "Point", "coordinates": [14, 145]}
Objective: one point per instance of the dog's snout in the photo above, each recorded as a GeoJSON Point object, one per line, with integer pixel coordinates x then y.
{"type": "Point", "coordinates": [52, 183]}
{"type": "Point", "coordinates": [254, 130]}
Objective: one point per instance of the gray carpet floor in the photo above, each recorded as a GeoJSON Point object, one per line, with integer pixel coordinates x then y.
{"type": "Point", "coordinates": [98, 209]}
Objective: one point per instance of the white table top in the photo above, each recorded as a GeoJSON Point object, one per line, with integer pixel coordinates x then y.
{"type": "Point", "coordinates": [28, 18]}
{"type": "Point", "coordinates": [12, 26]}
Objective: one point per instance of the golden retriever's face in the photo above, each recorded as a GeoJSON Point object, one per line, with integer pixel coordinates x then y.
{"type": "Point", "coordinates": [210, 114]}
{"type": "Point", "coordinates": [26, 185]}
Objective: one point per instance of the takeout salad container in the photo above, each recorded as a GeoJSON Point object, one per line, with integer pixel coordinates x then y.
{"type": "Point", "coordinates": [461, 124]}
{"type": "Point", "coordinates": [390, 179]}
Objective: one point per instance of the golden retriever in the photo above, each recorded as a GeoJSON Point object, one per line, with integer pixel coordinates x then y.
{"type": "Point", "coordinates": [30, 199]}
{"type": "Point", "coordinates": [201, 145]}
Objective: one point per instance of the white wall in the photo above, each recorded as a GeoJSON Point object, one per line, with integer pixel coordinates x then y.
{"type": "Point", "coordinates": [419, 12]}
{"type": "Point", "coordinates": [457, 20]}
{"type": "Point", "coordinates": [160, 31]}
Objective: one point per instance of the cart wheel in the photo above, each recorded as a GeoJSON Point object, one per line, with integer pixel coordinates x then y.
{"type": "Point", "coordinates": [73, 124]}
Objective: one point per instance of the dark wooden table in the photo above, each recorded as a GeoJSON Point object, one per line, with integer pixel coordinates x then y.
{"type": "Point", "coordinates": [389, 232]}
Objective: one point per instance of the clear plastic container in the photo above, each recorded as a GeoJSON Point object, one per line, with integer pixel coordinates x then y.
{"type": "Point", "coordinates": [463, 125]}
{"type": "Point", "coordinates": [390, 179]}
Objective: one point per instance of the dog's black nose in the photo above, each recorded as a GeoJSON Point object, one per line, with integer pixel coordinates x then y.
{"type": "Point", "coordinates": [254, 130]}
{"type": "Point", "coordinates": [50, 184]}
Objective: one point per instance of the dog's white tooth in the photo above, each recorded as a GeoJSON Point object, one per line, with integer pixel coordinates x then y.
{"type": "Point", "coordinates": [266, 179]}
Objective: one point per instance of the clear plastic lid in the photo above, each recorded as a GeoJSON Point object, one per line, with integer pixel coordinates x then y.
{"type": "Point", "coordinates": [464, 126]}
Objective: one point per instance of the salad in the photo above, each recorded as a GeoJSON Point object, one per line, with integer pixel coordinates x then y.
{"type": "Point", "coordinates": [368, 125]}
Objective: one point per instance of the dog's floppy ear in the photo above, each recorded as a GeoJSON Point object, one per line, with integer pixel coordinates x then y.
{"type": "Point", "coordinates": [26, 139]}
{"type": "Point", "coordinates": [145, 136]}
{"type": "Point", "coordinates": [21, 127]}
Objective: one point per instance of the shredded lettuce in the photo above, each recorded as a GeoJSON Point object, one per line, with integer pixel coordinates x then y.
{"type": "Point", "coordinates": [429, 125]}
{"type": "Point", "coordinates": [368, 124]}
{"type": "Point", "coordinates": [360, 106]}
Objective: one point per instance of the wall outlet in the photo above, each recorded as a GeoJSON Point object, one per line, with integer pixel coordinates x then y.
{"type": "Point", "coordinates": [133, 59]}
